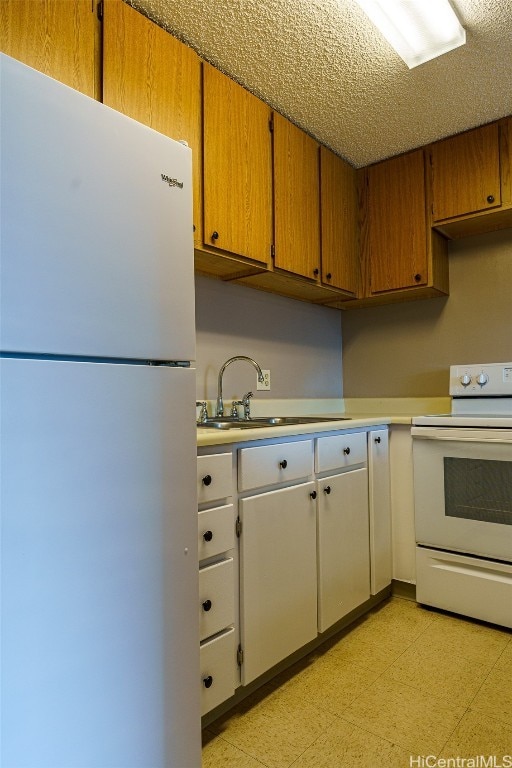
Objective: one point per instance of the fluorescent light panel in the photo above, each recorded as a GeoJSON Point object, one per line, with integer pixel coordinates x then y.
{"type": "Point", "coordinates": [418, 30]}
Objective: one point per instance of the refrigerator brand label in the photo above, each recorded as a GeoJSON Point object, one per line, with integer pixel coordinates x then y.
{"type": "Point", "coordinates": [171, 182]}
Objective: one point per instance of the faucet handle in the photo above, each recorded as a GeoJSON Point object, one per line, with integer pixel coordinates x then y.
{"type": "Point", "coordinates": [234, 407]}
{"type": "Point", "coordinates": [203, 415]}
{"type": "Point", "coordinates": [246, 402]}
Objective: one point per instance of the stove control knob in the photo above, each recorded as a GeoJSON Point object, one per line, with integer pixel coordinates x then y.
{"type": "Point", "coordinates": [465, 379]}
{"type": "Point", "coordinates": [482, 379]}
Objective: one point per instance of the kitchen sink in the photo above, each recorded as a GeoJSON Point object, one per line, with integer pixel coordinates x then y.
{"type": "Point", "coordinates": [231, 422]}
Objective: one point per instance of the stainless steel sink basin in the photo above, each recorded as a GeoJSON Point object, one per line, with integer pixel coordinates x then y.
{"type": "Point", "coordinates": [230, 422]}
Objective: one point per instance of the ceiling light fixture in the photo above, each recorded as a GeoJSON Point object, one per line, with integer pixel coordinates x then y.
{"type": "Point", "coordinates": [418, 30]}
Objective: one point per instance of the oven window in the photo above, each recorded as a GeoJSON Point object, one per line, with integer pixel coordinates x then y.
{"type": "Point", "coordinates": [478, 489]}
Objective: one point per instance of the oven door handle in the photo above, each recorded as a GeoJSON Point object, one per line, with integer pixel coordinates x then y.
{"type": "Point", "coordinates": [463, 434]}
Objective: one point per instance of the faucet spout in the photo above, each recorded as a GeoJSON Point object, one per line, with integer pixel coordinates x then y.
{"type": "Point", "coordinates": [220, 403]}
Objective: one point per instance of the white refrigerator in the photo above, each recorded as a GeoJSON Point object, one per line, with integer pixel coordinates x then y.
{"type": "Point", "coordinates": [99, 637]}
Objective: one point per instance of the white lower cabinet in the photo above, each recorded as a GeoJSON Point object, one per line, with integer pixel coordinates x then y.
{"type": "Point", "coordinates": [380, 510]}
{"type": "Point", "coordinates": [278, 576]}
{"type": "Point", "coordinates": [343, 546]}
{"type": "Point", "coordinates": [218, 579]}
{"type": "Point", "coordinates": [312, 517]}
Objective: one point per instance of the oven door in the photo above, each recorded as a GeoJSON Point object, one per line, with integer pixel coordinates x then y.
{"type": "Point", "coordinates": [463, 490]}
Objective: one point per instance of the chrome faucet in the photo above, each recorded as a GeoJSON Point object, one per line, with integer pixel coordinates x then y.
{"type": "Point", "coordinates": [220, 403]}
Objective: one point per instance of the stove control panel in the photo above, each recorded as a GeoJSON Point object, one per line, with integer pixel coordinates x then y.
{"type": "Point", "coordinates": [477, 380]}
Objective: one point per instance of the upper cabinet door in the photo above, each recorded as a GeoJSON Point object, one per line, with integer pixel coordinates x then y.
{"type": "Point", "coordinates": [339, 217]}
{"type": "Point", "coordinates": [156, 79]}
{"type": "Point", "coordinates": [466, 173]}
{"type": "Point", "coordinates": [237, 168]}
{"type": "Point", "coordinates": [57, 37]}
{"type": "Point", "coordinates": [394, 225]}
{"type": "Point", "coordinates": [296, 200]}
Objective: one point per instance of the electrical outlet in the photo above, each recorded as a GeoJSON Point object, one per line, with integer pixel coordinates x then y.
{"type": "Point", "coordinates": [265, 384]}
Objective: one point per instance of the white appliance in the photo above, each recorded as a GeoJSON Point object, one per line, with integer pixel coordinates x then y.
{"type": "Point", "coordinates": [100, 659]}
{"type": "Point", "coordinates": [463, 497]}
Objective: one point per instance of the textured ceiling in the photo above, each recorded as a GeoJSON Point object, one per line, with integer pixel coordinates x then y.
{"type": "Point", "coordinates": [323, 65]}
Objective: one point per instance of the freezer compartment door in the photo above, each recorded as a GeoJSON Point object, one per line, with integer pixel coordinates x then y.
{"type": "Point", "coordinates": [100, 656]}
{"type": "Point", "coordinates": [96, 221]}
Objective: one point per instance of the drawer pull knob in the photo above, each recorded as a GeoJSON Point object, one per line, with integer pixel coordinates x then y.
{"type": "Point", "coordinates": [377, 439]}
{"type": "Point", "coordinates": [207, 480]}
{"type": "Point", "coordinates": [346, 451]}
{"type": "Point", "coordinates": [313, 494]}
{"type": "Point", "coordinates": [327, 489]}
{"type": "Point", "coordinates": [207, 605]}
{"type": "Point", "coordinates": [283, 464]}
{"type": "Point", "coordinates": [215, 235]}
{"type": "Point", "coordinates": [208, 535]}
{"type": "Point", "coordinates": [490, 198]}
{"type": "Point", "coordinates": [208, 681]}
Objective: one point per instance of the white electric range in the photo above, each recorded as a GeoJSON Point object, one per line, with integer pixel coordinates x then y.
{"type": "Point", "coordinates": [463, 497]}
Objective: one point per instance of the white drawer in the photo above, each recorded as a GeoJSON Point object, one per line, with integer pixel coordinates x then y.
{"type": "Point", "coordinates": [214, 477]}
{"type": "Point", "coordinates": [216, 597]}
{"type": "Point", "coordinates": [218, 670]}
{"type": "Point", "coordinates": [270, 464]}
{"type": "Point", "coordinates": [340, 451]}
{"type": "Point", "coordinates": [215, 531]}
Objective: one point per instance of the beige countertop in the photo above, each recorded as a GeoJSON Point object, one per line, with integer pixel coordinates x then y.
{"type": "Point", "coordinates": [358, 412]}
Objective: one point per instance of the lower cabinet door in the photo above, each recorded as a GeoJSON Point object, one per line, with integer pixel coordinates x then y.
{"type": "Point", "coordinates": [278, 576]}
{"type": "Point", "coordinates": [343, 545]}
{"type": "Point", "coordinates": [218, 670]}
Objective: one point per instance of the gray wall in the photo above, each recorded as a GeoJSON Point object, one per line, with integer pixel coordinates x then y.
{"type": "Point", "coordinates": [405, 350]}
{"type": "Point", "coordinates": [300, 343]}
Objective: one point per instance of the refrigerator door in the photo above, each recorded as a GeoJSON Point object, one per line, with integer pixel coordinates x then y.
{"type": "Point", "coordinates": [100, 658]}
{"type": "Point", "coordinates": [96, 221]}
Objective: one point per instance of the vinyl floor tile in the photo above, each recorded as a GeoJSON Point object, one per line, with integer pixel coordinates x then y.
{"type": "Point", "coordinates": [495, 695]}
{"type": "Point", "coordinates": [344, 745]}
{"type": "Point", "coordinates": [448, 676]}
{"type": "Point", "coordinates": [477, 735]}
{"type": "Point", "coordinates": [330, 684]}
{"type": "Point", "coordinates": [218, 753]}
{"type": "Point", "coordinates": [276, 729]}
{"type": "Point", "coordinates": [405, 716]}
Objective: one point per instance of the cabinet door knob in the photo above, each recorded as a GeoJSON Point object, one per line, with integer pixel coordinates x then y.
{"type": "Point", "coordinates": [328, 275]}
{"type": "Point", "coordinates": [208, 535]}
{"type": "Point", "coordinates": [207, 605]}
{"type": "Point", "coordinates": [207, 480]}
{"type": "Point", "coordinates": [327, 489]}
{"type": "Point", "coordinates": [490, 198]}
{"type": "Point", "coordinates": [313, 494]}
{"type": "Point", "coordinates": [377, 439]}
{"type": "Point", "coordinates": [208, 681]}
{"type": "Point", "coordinates": [215, 235]}
{"type": "Point", "coordinates": [316, 271]}
{"type": "Point", "coordinates": [417, 277]}
{"type": "Point", "coordinates": [283, 464]}
{"type": "Point", "coordinates": [346, 451]}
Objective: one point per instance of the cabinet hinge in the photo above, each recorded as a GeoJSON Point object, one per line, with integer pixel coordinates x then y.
{"type": "Point", "coordinates": [238, 527]}
{"type": "Point", "coordinates": [239, 656]}
{"type": "Point", "coordinates": [272, 251]}
{"type": "Point", "coordinates": [271, 124]}
{"type": "Point", "coordinates": [99, 10]}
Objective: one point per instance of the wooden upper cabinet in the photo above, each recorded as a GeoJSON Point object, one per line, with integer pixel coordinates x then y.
{"type": "Point", "coordinates": [237, 168]}
{"type": "Point", "coordinates": [296, 200]}
{"type": "Point", "coordinates": [57, 37]}
{"type": "Point", "coordinates": [394, 234]}
{"type": "Point", "coordinates": [339, 223]}
{"type": "Point", "coordinates": [154, 78]}
{"type": "Point", "coordinates": [466, 173]}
